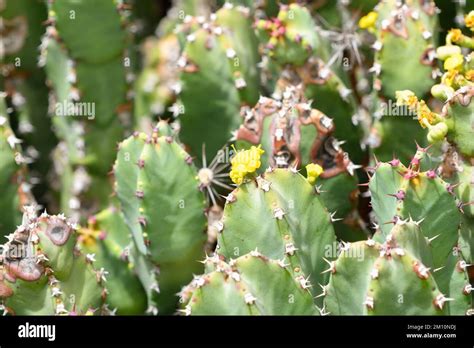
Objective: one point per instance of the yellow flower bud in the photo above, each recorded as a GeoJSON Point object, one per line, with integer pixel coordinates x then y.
{"type": "Point", "coordinates": [470, 75]}
{"type": "Point", "coordinates": [454, 62]}
{"type": "Point", "coordinates": [444, 52]}
{"type": "Point", "coordinates": [313, 171]}
{"type": "Point", "coordinates": [437, 132]}
{"type": "Point", "coordinates": [469, 20]}
{"type": "Point", "coordinates": [245, 162]}
{"type": "Point", "coordinates": [425, 115]}
{"type": "Point", "coordinates": [369, 20]}
{"type": "Point", "coordinates": [406, 97]}
{"type": "Point", "coordinates": [455, 35]}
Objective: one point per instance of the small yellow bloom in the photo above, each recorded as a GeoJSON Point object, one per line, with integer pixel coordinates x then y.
{"type": "Point", "coordinates": [369, 20]}
{"type": "Point", "coordinates": [455, 35]}
{"type": "Point", "coordinates": [245, 162]}
{"type": "Point", "coordinates": [470, 75]}
{"type": "Point", "coordinates": [88, 236]}
{"type": "Point", "coordinates": [455, 62]}
{"type": "Point", "coordinates": [449, 78]}
{"type": "Point", "coordinates": [469, 20]}
{"type": "Point", "coordinates": [406, 97]}
{"type": "Point", "coordinates": [425, 115]}
{"type": "Point", "coordinates": [313, 171]}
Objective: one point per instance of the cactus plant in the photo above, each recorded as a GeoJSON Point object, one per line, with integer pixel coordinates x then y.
{"type": "Point", "coordinates": [153, 201]}
{"type": "Point", "coordinates": [219, 58]}
{"type": "Point", "coordinates": [271, 141]}
{"type": "Point", "coordinates": [271, 206]}
{"type": "Point", "coordinates": [25, 87]}
{"type": "Point", "coordinates": [250, 285]}
{"type": "Point", "coordinates": [88, 78]}
{"type": "Point", "coordinates": [389, 278]}
{"type": "Point", "coordinates": [293, 134]}
{"type": "Point", "coordinates": [106, 236]}
{"type": "Point", "coordinates": [42, 272]}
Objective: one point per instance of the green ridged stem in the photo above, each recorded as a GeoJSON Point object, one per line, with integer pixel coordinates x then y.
{"type": "Point", "coordinates": [157, 187]}
{"type": "Point", "coordinates": [391, 278]}
{"type": "Point", "coordinates": [220, 62]}
{"type": "Point", "coordinates": [108, 238]}
{"type": "Point", "coordinates": [280, 215]}
{"type": "Point", "coordinates": [249, 285]}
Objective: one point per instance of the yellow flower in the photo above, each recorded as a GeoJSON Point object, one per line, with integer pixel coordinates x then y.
{"type": "Point", "coordinates": [406, 97]}
{"type": "Point", "coordinates": [88, 236]}
{"type": "Point", "coordinates": [469, 20]}
{"type": "Point", "coordinates": [449, 77]}
{"type": "Point", "coordinates": [369, 20]}
{"type": "Point", "coordinates": [245, 162]}
{"type": "Point", "coordinates": [470, 75]}
{"type": "Point", "coordinates": [455, 62]}
{"type": "Point", "coordinates": [425, 115]}
{"type": "Point", "coordinates": [455, 35]}
{"type": "Point", "coordinates": [313, 171]}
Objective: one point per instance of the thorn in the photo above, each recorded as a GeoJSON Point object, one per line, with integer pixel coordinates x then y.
{"type": "Point", "coordinates": [394, 162]}
{"type": "Point", "coordinates": [369, 302]}
{"type": "Point", "coordinates": [154, 311]}
{"type": "Point", "coordinates": [290, 249]}
{"type": "Point", "coordinates": [420, 221]}
{"type": "Point", "coordinates": [332, 266]}
{"type": "Point", "coordinates": [422, 149]}
{"type": "Point", "coordinates": [333, 219]}
{"type": "Point", "coordinates": [440, 300]}
{"type": "Point", "coordinates": [249, 298]}
{"type": "Point", "coordinates": [400, 195]}
{"type": "Point", "coordinates": [394, 220]}
{"type": "Point", "coordinates": [377, 162]}
{"type": "Point", "coordinates": [431, 174]}
{"type": "Point", "coordinates": [304, 282]}
{"type": "Point", "coordinates": [351, 168]}
{"type": "Point", "coordinates": [255, 253]}
{"type": "Point", "coordinates": [155, 287]}
{"type": "Point", "coordinates": [319, 190]}
{"type": "Point", "coordinates": [90, 258]}
{"type": "Point", "coordinates": [282, 263]}
{"type": "Point", "coordinates": [324, 293]}
{"type": "Point", "coordinates": [369, 170]}
{"type": "Point", "coordinates": [278, 213]}
{"type": "Point", "coordinates": [421, 270]}
{"type": "Point", "coordinates": [322, 311]}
